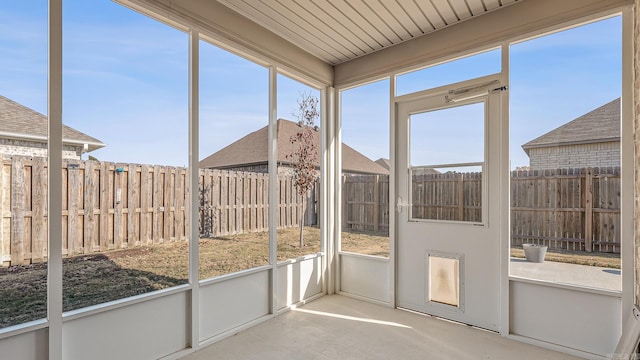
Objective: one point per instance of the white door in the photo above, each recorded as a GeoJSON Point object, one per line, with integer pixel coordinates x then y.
{"type": "Point", "coordinates": [448, 205]}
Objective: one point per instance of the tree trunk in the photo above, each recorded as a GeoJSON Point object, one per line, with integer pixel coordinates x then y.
{"type": "Point", "coordinates": [302, 223]}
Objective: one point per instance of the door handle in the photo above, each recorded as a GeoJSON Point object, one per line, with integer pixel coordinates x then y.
{"type": "Point", "coordinates": [400, 204]}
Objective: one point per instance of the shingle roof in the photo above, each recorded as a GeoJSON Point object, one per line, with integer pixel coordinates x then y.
{"type": "Point", "coordinates": [20, 122]}
{"type": "Point", "coordinates": [252, 150]}
{"type": "Point", "coordinates": [599, 125]}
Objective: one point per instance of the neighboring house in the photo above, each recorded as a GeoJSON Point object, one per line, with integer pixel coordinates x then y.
{"type": "Point", "coordinates": [385, 163]}
{"type": "Point", "coordinates": [23, 131]}
{"type": "Point", "coordinates": [591, 140]}
{"type": "Point", "coordinates": [250, 153]}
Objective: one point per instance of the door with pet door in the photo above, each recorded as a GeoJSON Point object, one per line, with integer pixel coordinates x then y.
{"type": "Point", "coordinates": [448, 206]}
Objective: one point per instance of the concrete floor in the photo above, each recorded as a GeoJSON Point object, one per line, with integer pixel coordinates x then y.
{"type": "Point", "coordinates": [562, 273]}
{"type": "Point", "coordinates": [339, 327]}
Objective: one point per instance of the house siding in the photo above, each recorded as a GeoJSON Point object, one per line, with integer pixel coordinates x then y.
{"type": "Point", "coordinates": [575, 156]}
{"type": "Point", "coordinates": [10, 147]}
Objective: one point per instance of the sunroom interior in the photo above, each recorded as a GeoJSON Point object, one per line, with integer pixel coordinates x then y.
{"type": "Point", "coordinates": [441, 91]}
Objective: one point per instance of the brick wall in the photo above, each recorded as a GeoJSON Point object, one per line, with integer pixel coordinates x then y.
{"type": "Point", "coordinates": [10, 147]}
{"type": "Point", "coordinates": [575, 156]}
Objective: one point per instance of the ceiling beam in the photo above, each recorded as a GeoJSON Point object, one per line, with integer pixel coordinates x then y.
{"type": "Point", "coordinates": [524, 18]}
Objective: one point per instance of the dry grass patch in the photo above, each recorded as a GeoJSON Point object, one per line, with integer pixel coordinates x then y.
{"type": "Point", "coordinates": [229, 254]}
{"type": "Point", "coordinates": [366, 242]}
{"type": "Point", "coordinates": [102, 277]}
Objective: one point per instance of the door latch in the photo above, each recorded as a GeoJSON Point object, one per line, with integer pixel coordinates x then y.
{"type": "Point", "coordinates": [400, 204]}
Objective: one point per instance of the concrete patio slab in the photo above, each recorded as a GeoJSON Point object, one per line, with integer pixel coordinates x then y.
{"type": "Point", "coordinates": [568, 274]}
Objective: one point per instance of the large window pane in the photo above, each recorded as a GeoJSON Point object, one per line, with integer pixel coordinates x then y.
{"type": "Point", "coordinates": [23, 112]}
{"type": "Point", "coordinates": [365, 169]}
{"type": "Point", "coordinates": [565, 155]}
{"type": "Point", "coordinates": [447, 161]}
{"type": "Point", "coordinates": [298, 169]}
{"type": "Point", "coordinates": [124, 176]}
{"type": "Point", "coordinates": [450, 136]}
{"type": "Point", "coordinates": [234, 174]}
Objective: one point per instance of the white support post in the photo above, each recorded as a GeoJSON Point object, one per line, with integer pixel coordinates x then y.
{"type": "Point", "coordinates": [273, 187]}
{"type": "Point", "coordinates": [194, 187]}
{"type": "Point", "coordinates": [336, 214]}
{"type": "Point", "coordinates": [328, 188]}
{"type": "Point", "coordinates": [505, 201]}
{"type": "Point", "coordinates": [628, 160]}
{"type": "Point", "coordinates": [54, 252]}
{"type": "Point", "coordinates": [392, 191]}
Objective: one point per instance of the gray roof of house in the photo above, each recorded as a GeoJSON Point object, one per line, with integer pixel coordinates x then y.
{"type": "Point", "coordinates": [385, 163]}
{"type": "Point", "coordinates": [596, 126]}
{"type": "Point", "coordinates": [252, 150]}
{"type": "Point", "coordinates": [20, 122]}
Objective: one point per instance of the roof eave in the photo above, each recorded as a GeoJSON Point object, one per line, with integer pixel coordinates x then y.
{"type": "Point", "coordinates": [526, 147]}
{"type": "Point", "coordinates": [92, 145]}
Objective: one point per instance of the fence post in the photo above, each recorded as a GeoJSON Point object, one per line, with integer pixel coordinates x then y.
{"type": "Point", "coordinates": [74, 186]}
{"type": "Point", "coordinates": [17, 211]}
{"type": "Point", "coordinates": [118, 206]}
{"type": "Point", "coordinates": [104, 206]}
{"type": "Point", "coordinates": [39, 206]}
{"type": "Point", "coordinates": [132, 206]}
{"type": "Point", "coordinates": [156, 203]}
{"type": "Point", "coordinates": [461, 197]}
{"type": "Point", "coordinates": [588, 210]}
{"type": "Point", "coordinates": [89, 188]}
{"type": "Point", "coordinates": [376, 205]}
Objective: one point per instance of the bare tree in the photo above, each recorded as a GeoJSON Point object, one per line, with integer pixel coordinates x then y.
{"type": "Point", "coordinates": [304, 152]}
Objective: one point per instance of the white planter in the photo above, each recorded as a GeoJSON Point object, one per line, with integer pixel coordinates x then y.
{"type": "Point", "coordinates": [534, 252]}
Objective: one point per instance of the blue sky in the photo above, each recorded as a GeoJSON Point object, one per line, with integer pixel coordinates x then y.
{"type": "Point", "coordinates": [125, 83]}
{"type": "Point", "coordinates": [554, 79]}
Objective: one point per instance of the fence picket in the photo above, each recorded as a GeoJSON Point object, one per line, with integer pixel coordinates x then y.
{"type": "Point", "coordinates": [146, 198]}
{"type": "Point", "coordinates": [168, 204]}
{"type": "Point", "coordinates": [118, 190]}
{"type": "Point", "coordinates": [39, 209]}
{"type": "Point", "coordinates": [103, 191]}
{"type": "Point", "coordinates": [90, 240]}
{"type": "Point", "coordinates": [157, 204]}
{"type": "Point", "coordinates": [178, 216]}
{"type": "Point", "coordinates": [74, 194]}
{"type": "Point", "coordinates": [133, 193]}
{"type": "Point", "coordinates": [17, 211]}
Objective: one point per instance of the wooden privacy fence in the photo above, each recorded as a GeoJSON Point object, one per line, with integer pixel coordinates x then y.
{"type": "Point", "coordinates": [238, 202]}
{"type": "Point", "coordinates": [113, 206]}
{"type": "Point", "coordinates": [447, 196]}
{"type": "Point", "coordinates": [104, 206]}
{"type": "Point", "coordinates": [365, 199]}
{"type": "Point", "coordinates": [365, 202]}
{"type": "Point", "coordinates": [574, 209]}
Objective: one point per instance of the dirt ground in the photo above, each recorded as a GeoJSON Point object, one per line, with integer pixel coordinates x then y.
{"type": "Point", "coordinates": [103, 277]}
{"type": "Point", "coordinates": [98, 278]}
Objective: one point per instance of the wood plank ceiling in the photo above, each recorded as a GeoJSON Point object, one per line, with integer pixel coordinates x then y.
{"type": "Point", "coordinates": [341, 30]}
